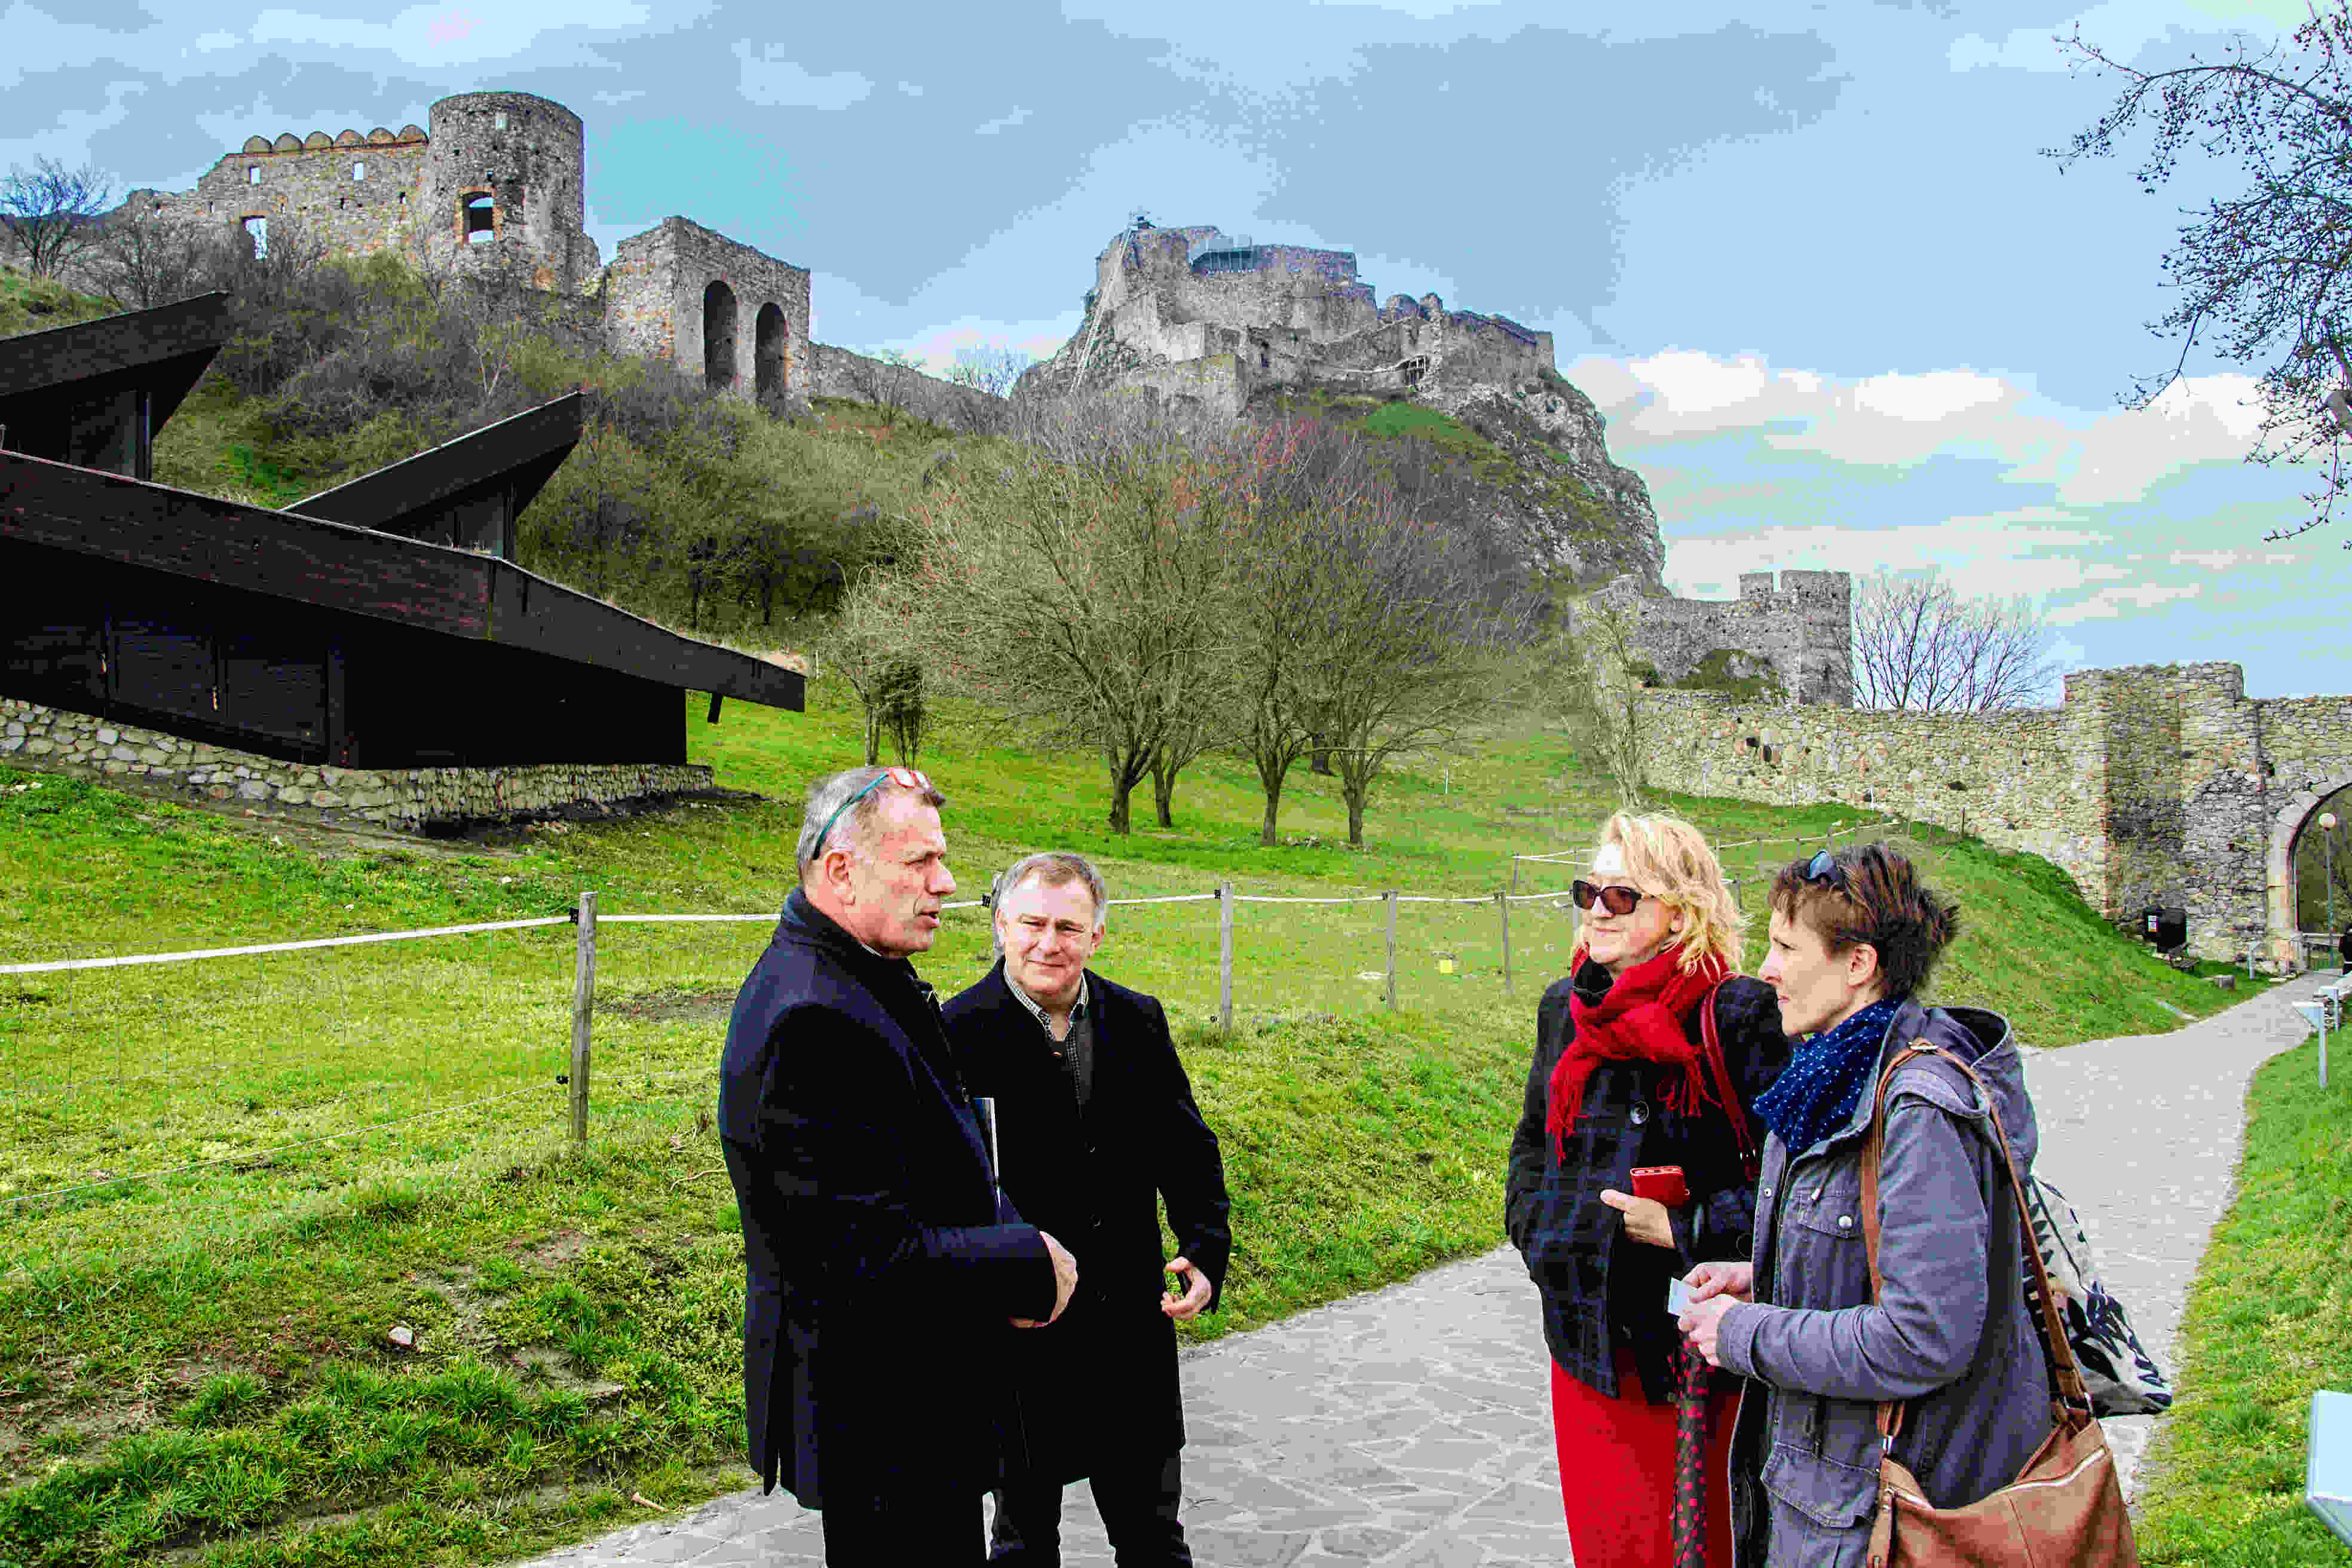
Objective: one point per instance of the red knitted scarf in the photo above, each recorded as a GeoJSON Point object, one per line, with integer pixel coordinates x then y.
{"type": "Point", "coordinates": [1641, 1019]}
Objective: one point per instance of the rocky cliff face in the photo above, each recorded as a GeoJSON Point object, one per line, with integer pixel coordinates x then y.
{"type": "Point", "coordinates": [1253, 343]}
{"type": "Point", "coordinates": [1575, 510]}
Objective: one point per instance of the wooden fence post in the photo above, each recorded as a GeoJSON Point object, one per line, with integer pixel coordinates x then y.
{"type": "Point", "coordinates": [1390, 899]}
{"type": "Point", "coordinates": [1225, 955]}
{"type": "Point", "coordinates": [583, 997]}
{"type": "Point", "coordinates": [1503, 902]}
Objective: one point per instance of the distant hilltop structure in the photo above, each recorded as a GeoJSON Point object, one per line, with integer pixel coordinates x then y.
{"type": "Point", "coordinates": [1202, 317]}
{"type": "Point", "coordinates": [1194, 312]}
{"type": "Point", "coordinates": [496, 191]}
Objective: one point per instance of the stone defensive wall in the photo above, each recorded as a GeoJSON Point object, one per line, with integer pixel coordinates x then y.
{"type": "Point", "coordinates": [1799, 631]}
{"type": "Point", "coordinates": [838, 372]}
{"type": "Point", "coordinates": [734, 316]}
{"type": "Point", "coordinates": [410, 799]}
{"type": "Point", "coordinates": [2156, 784]}
{"type": "Point", "coordinates": [356, 192]}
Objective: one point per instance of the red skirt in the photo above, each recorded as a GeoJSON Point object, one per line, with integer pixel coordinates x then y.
{"type": "Point", "coordinates": [1617, 1470]}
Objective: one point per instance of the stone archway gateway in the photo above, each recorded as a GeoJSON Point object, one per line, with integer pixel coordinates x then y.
{"type": "Point", "coordinates": [718, 335]}
{"type": "Point", "coordinates": [2278, 863]}
{"type": "Point", "coordinates": [769, 344]}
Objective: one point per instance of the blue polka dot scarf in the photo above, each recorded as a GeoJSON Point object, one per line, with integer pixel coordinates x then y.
{"type": "Point", "coordinates": [1826, 1075]}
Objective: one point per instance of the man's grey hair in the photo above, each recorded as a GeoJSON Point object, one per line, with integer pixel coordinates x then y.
{"type": "Point", "coordinates": [1057, 868]}
{"type": "Point", "coordinates": [855, 830]}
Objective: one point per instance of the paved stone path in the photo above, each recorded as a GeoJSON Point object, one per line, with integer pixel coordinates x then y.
{"type": "Point", "coordinates": [1410, 1427]}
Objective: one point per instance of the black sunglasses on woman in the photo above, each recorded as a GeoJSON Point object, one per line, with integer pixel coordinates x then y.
{"type": "Point", "coordinates": [1616, 901]}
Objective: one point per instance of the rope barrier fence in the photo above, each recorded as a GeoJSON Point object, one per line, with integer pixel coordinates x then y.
{"type": "Point", "coordinates": [249, 1031]}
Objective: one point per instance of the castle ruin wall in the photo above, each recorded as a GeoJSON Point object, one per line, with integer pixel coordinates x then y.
{"type": "Point", "coordinates": [308, 187]}
{"type": "Point", "coordinates": [2152, 785]}
{"type": "Point", "coordinates": [839, 372]}
{"type": "Point", "coordinates": [659, 303]}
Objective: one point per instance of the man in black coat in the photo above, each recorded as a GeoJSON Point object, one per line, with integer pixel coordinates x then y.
{"type": "Point", "coordinates": [1096, 1124]}
{"type": "Point", "coordinates": [885, 1278]}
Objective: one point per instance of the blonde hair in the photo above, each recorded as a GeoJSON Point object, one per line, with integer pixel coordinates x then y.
{"type": "Point", "coordinates": [1669, 859]}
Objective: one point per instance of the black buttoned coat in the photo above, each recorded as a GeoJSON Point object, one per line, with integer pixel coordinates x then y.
{"type": "Point", "coordinates": [1595, 1278]}
{"type": "Point", "coordinates": [882, 1272]}
{"type": "Point", "coordinates": [1102, 1379]}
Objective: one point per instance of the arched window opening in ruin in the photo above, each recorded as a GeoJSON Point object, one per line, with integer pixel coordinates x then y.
{"type": "Point", "coordinates": [359, 168]}
{"type": "Point", "coordinates": [481, 220]}
{"type": "Point", "coordinates": [1414, 369]}
{"type": "Point", "coordinates": [770, 337]}
{"type": "Point", "coordinates": [2319, 865]}
{"type": "Point", "coordinates": [718, 334]}
{"type": "Point", "coordinates": [257, 235]}
{"type": "Point", "coordinates": [498, 120]}
{"type": "Point", "coordinates": [253, 173]}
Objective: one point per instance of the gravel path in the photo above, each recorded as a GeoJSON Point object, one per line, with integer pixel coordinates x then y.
{"type": "Point", "coordinates": [1409, 1427]}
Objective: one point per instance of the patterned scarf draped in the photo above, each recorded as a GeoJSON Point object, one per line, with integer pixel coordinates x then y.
{"type": "Point", "coordinates": [1825, 1078]}
{"type": "Point", "coordinates": [1638, 1019]}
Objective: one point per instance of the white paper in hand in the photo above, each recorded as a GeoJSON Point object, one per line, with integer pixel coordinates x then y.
{"type": "Point", "coordinates": [1677, 1296]}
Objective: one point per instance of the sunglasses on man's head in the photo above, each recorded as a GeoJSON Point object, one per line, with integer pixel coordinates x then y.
{"type": "Point", "coordinates": [905, 778]}
{"type": "Point", "coordinates": [1616, 901]}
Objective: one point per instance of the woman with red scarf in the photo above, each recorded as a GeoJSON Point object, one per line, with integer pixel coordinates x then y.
{"type": "Point", "coordinates": [1634, 1158]}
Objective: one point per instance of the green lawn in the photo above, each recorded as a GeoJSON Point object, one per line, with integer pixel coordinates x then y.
{"type": "Point", "coordinates": [2268, 1320]}
{"type": "Point", "coordinates": [197, 1366]}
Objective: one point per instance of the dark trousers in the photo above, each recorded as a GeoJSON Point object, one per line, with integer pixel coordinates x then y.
{"type": "Point", "coordinates": [903, 1530]}
{"type": "Point", "coordinates": [1137, 1500]}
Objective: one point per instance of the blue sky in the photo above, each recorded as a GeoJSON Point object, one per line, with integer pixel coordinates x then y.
{"type": "Point", "coordinates": [1839, 309]}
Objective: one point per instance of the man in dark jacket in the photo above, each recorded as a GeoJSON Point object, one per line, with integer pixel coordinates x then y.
{"type": "Point", "coordinates": [882, 1269]}
{"type": "Point", "coordinates": [1096, 1123]}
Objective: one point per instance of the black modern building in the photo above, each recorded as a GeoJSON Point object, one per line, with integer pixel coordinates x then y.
{"type": "Point", "coordinates": [379, 625]}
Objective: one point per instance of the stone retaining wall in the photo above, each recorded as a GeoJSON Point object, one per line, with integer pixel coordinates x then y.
{"type": "Point", "coordinates": [56, 741]}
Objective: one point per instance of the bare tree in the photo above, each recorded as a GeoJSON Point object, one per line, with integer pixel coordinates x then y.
{"type": "Point", "coordinates": [2266, 276]}
{"type": "Point", "coordinates": [52, 213]}
{"type": "Point", "coordinates": [1920, 647]}
{"type": "Point", "coordinates": [869, 644]}
{"type": "Point", "coordinates": [1407, 641]}
{"type": "Point", "coordinates": [1595, 673]}
{"type": "Point", "coordinates": [992, 369]}
{"type": "Point", "coordinates": [1074, 579]}
{"type": "Point", "coordinates": [143, 258]}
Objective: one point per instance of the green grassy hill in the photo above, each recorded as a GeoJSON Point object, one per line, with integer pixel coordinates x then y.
{"type": "Point", "coordinates": [199, 1364]}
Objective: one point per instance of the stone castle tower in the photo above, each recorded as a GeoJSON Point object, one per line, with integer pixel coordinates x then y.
{"type": "Point", "coordinates": [497, 191]}
{"type": "Point", "coordinates": [503, 193]}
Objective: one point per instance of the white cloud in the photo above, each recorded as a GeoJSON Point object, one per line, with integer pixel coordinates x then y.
{"type": "Point", "coordinates": [443, 34]}
{"type": "Point", "coordinates": [2036, 551]}
{"type": "Point", "coordinates": [1899, 418]}
{"type": "Point", "coordinates": [2122, 599]}
{"type": "Point", "coordinates": [2223, 560]}
{"type": "Point", "coordinates": [2122, 29]}
{"type": "Point", "coordinates": [1002, 122]}
{"type": "Point", "coordinates": [1925, 399]}
{"type": "Point", "coordinates": [769, 81]}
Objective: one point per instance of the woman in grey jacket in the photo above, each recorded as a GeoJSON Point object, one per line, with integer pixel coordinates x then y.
{"type": "Point", "coordinates": [1853, 936]}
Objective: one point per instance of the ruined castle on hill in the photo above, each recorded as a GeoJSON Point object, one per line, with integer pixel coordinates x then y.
{"type": "Point", "coordinates": [496, 191]}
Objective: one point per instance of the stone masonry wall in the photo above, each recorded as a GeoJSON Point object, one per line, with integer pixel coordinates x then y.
{"type": "Point", "coordinates": [655, 289]}
{"type": "Point", "coordinates": [56, 741]}
{"type": "Point", "coordinates": [306, 182]}
{"type": "Point", "coordinates": [838, 372]}
{"type": "Point", "coordinates": [1800, 629]}
{"type": "Point", "coordinates": [2149, 785]}
{"type": "Point", "coordinates": [2016, 780]}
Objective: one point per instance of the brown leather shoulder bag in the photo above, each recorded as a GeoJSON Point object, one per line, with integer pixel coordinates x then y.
{"type": "Point", "coordinates": [2066, 1505]}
